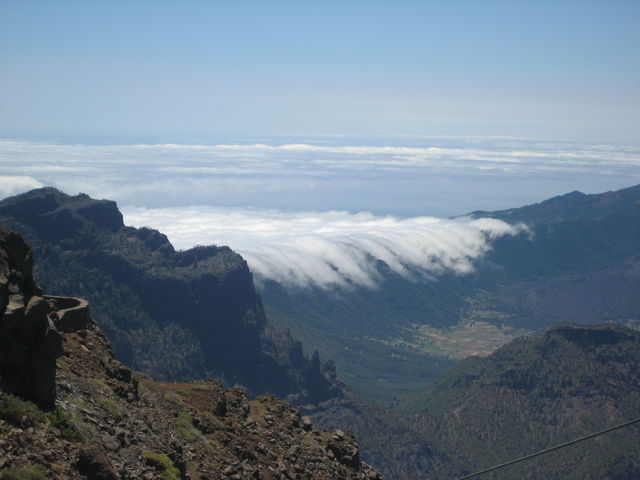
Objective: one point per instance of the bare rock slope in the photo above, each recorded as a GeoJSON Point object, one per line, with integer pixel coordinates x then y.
{"type": "Point", "coordinates": [97, 419]}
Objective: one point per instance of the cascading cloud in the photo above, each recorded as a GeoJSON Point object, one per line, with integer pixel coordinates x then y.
{"type": "Point", "coordinates": [327, 249]}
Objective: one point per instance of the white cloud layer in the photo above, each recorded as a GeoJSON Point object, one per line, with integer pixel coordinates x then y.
{"type": "Point", "coordinates": [328, 249]}
{"type": "Point", "coordinates": [14, 184]}
{"type": "Point", "coordinates": [406, 177]}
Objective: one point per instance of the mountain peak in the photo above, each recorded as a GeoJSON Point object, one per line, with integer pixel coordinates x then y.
{"type": "Point", "coordinates": [59, 215]}
{"type": "Point", "coordinates": [585, 336]}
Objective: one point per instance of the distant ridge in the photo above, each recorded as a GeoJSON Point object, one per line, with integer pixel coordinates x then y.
{"type": "Point", "coordinates": [570, 206]}
{"type": "Point", "coordinates": [538, 392]}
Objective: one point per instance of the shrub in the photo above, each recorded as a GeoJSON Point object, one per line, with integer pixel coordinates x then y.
{"type": "Point", "coordinates": [110, 406]}
{"type": "Point", "coordinates": [61, 420]}
{"type": "Point", "coordinates": [28, 472]}
{"type": "Point", "coordinates": [63, 365]}
{"type": "Point", "coordinates": [184, 427]}
{"type": "Point", "coordinates": [100, 384]}
{"type": "Point", "coordinates": [162, 464]}
{"type": "Point", "coordinates": [20, 412]}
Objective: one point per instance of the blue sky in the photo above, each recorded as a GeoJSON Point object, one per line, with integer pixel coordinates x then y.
{"type": "Point", "coordinates": [321, 134]}
{"type": "Point", "coordinates": [195, 69]}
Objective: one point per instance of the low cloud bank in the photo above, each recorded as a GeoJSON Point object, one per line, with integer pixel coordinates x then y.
{"type": "Point", "coordinates": [404, 177]}
{"type": "Point", "coordinates": [329, 249]}
{"type": "Point", "coordinates": [15, 184]}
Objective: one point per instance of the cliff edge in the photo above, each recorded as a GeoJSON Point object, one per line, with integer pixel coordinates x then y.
{"type": "Point", "coordinates": [174, 315]}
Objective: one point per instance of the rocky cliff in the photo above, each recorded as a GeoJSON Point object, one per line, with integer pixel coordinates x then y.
{"type": "Point", "coordinates": [174, 315]}
{"type": "Point", "coordinates": [97, 419]}
{"type": "Point", "coordinates": [29, 343]}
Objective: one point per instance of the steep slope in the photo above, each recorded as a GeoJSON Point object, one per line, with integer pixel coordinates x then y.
{"type": "Point", "coordinates": [181, 315]}
{"type": "Point", "coordinates": [105, 422]}
{"type": "Point", "coordinates": [174, 315]}
{"type": "Point", "coordinates": [29, 343]}
{"type": "Point", "coordinates": [582, 263]}
{"type": "Point", "coordinates": [537, 392]}
{"type": "Point", "coordinates": [579, 262]}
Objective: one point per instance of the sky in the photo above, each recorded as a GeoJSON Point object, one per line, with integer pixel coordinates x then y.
{"type": "Point", "coordinates": [184, 70]}
{"type": "Point", "coordinates": [321, 133]}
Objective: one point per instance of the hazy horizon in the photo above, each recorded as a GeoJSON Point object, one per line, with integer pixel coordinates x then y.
{"type": "Point", "coordinates": [405, 177]}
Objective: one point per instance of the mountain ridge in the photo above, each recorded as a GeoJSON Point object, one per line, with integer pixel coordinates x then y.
{"type": "Point", "coordinates": [579, 262]}
{"type": "Point", "coordinates": [188, 314]}
{"type": "Point", "coordinates": [87, 249]}
{"type": "Point", "coordinates": [536, 392]}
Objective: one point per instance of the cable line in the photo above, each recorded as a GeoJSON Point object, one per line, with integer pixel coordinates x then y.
{"type": "Point", "coordinates": [551, 449]}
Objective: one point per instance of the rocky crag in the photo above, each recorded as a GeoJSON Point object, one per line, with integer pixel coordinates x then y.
{"type": "Point", "coordinates": [94, 418]}
{"type": "Point", "coordinates": [175, 315]}
{"type": "Point", "coordinates": [29, 343]}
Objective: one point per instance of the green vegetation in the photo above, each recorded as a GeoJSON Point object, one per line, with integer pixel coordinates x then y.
{"type": "Point", "coordinates": [163, 464]}
{"type": "Point", "coordinates": [110, 406]}
{"type": "Point", "coordinates": [77, 402]}
{"type": "Point", "coordinates": [354, 335]}
{"type": "Point", "coordinates": [201, 387]}
{"type": "Point", "coordinates": [20, 412]}
{"type": "Point", "coordinates": [183, 425]}
{"type": "Point", "coordinates": [173, 398]}
{"type": "Point", "coordinates": [61, 420]}
{"type": "Point", "coordinates": [100, 384]}
{"type": "Point", "coordinates": [63, 365]}
{"type": "Point", "coordinates": [28, 472]}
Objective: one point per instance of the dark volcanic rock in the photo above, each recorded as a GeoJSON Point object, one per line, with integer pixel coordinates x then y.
{"type": "Point", "coordinates": [93, 462]}
{"type": "Point", "coordinates": [29, 343]}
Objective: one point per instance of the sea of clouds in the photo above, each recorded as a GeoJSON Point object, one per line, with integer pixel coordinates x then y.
{"type": "Point", "coordinates": [328, 249]}
{"type": "Point", "coordinates": [405, 177]}
{"type": "Point", "coordinates": [290, 205]}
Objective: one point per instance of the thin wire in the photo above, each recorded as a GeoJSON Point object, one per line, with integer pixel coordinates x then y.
{"type": "Point", "coordinates": [551, 449]}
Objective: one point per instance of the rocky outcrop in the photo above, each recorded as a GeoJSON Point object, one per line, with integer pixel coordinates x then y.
{"type": "Point", "coordinates": [29, 342]}
{"type": "Point", "coordinates": [174, 315]}
{"type": "Point", "coordinates": [113, 424]}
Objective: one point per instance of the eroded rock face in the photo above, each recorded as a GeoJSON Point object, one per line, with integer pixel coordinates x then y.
{"type": "Point", "coordinates": [29, 342]}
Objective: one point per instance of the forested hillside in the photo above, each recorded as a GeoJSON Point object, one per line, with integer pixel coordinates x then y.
{"type": "Point", "coordinates": [535, 393]}
{"type": "Point", "coordinates": [579, 261]}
